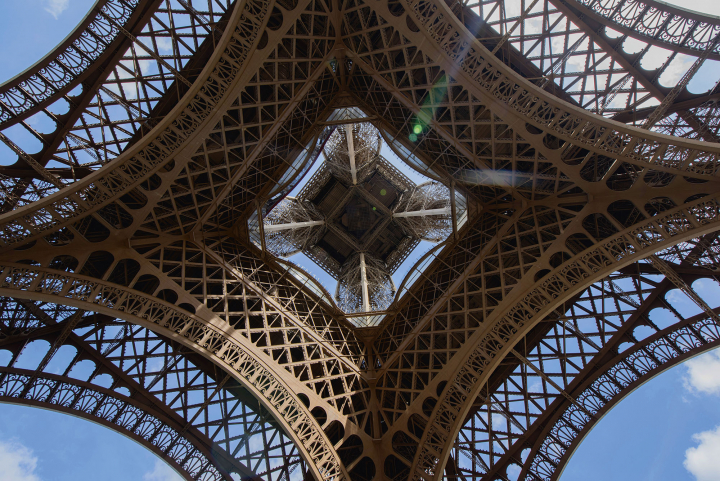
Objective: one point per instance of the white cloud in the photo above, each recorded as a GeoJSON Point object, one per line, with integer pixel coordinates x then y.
{"type": "Point", "coordinates": [56, 7]}
{"type": "Point", "coordinates": [17, 462]}
{"type": "Point", "coordinates": [703, 373]}
{"type": "Point", "coordinates": [161, 472]}
{"type": "Point", "coordinates": [703, 461]}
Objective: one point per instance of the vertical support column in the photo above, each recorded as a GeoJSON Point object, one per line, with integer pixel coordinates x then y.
{"type": "Point", "coordinates": [453, 210]}
{"type": "Point", "coordinates": [261, 227]}
{"type": "Point", "coordinates": [363, 279]}
{"type": "Point", "coordinates": [351, 152]}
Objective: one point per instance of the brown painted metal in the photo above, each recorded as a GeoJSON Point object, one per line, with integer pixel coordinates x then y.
{"type": "Point", "coordinates": [498, 353]}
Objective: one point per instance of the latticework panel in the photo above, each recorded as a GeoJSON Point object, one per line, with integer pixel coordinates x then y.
{"type": "Point", "coordinates": [505, 343]}
{"type": "Point", "coordinates": [136, 382]}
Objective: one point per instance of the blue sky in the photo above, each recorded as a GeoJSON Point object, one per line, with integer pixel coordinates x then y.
{"type": "Point", "coordinates": [667, 429]}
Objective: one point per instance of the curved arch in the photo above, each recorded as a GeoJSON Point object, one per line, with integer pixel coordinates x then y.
{"type": "Point", "coordinates": [656, 22]}
{"type": "Point", "coordinates": [66, 66]}
{"type": "Point", "coordinates": [613, 382]}
{"type": "Point", "coordinates": [232, 353]}
{"type": "Point", "coordinates": [157, 148]}
{"type": "Point", "coordinates": [482, 72]}
{"type": "Point", "coordinates": [154, 371]}
{"type": "Point", "coordinates": [486, 349]}
{"type": "Point", "coordinates": [115, 411]}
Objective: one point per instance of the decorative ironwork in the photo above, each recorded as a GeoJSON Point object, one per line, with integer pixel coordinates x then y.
{"type": "Point", "coordinates": [153, 213]}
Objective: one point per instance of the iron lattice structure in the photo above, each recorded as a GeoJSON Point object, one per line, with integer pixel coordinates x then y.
{"type": "Point", "coordinates": [592, 192]}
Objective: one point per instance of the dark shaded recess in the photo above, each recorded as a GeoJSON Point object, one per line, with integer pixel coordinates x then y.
{"type": "Point", "coordinates": [187, 307]}
{"type": "Point", "coordinates": [275, 19]}
{"type": "Point", "coordinates": [167, 295]}
{"type": "Point", "coordinates": [26, 246]}
{"type": "Point", "coordinates": [440, 388]}
{"type": "Point", "coordinates": [411, 25]}
{"type": "Point", "coordinates": [596, 167]}
{"type": "Point", "coordinates": [60, 237]}
{"type": "Point", "coordinates": [370, 425]}
{"type": "Point", "coordinates": [532, 129]}
{"type": "Point", "coordinates": [235, 321]}
{"type": "Point", "coordinates": [658, 205]}
{"type": "Point", "coordinates": [124, 272]}
{"type": "Point", "coordinates": [577, 243]}
{"type": "Point", "coordinates": [694, 180]}
{"type": "Point", "coordinates": [416, 425]}
{"type": "Point", "coordinates": [559, 258]}
{"type": "Point", "coordinates": [375, 184]}
{"type": "Point", "coordinates": [142, 234]}
{"type": "Point", "coordinates": [396, 8]}
{"type": "Point", "coordinates": [599, 226]}
{"type": "Point", "coordinates": [152, 182]}
{"type": "Point", "coordinates": [541, 273]}
{"type": "Point", "coordinates": [64, 263]}
{"type": "Point", "coordinates": [116, 216]}
{"type": "Point", "coordinates": [350, 450]}
{"type": "Point", "coordinates": [404, 445]}
{"type": "Point", "coordinates": [624, 177]}
{"type": "Point", "coordinates": [319, 415]}
{"type": "Point", "coordinates": [396, 469]}
{"type": "Point", "coordinates": [574, 155]}
{"type": "Point", "coordinates": [335, 432]}
{"type": "Point", "coordinates": [334, 245]}
{"type": "Point", "coordinates": [92, 229]}
{"type": "Point", "coordinates": [147, 283]}
{"type": "Point", "coordinates": [97, 264]}
{"type": "Point", "coordinates": [358, 217]}
{"type": "Point", "coordinates": [134, 199]}
{"type": "Point", "coordinates": [28, 262]}
{"type": "Point", "coordinates": [387, 241]}
{"type": "Point", "coordinates": [167, 167]}
{"type": "Point", "coordinates": [383, 425]}
{"type": "Point", "coordinates": [428, 405]}
{"type": "Point", "coordinates": [575, 206]}
{"type": "Point", "coordinates": [262, 43]}
{"type": "Point", "coordinates": [625, 212]}
{"type": "Point", "coordinates": [145, 248]}
{"type": "Point", "coordinates": [552, 142]}
{"type": "Point", "coordinates": [304, 399]}
{"type": "Point", "coordinates": [329, 196]}
{"type": "Point", "coordinates": [694, 197]}
{"type": "Point", "coordinates": [364, 470]}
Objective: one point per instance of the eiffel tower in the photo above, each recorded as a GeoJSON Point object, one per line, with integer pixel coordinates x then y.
{"type": "Point", "coordinates": [135, 241]}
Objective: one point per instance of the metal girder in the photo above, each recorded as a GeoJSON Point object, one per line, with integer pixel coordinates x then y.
{"type": "Point", "coordinates": [561, 206]}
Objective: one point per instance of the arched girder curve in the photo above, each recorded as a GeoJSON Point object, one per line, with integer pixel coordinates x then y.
{"type": "Point", "coordinates": [66, 66]}
{"type": "Point", "coordinates": [522, 397]}
{"type": "Point", "coordinates": [153, 371]}
{"type": "Point", "coordinates": [658, 23]}
{"type": "Point", "coordinates": [610, 385]}
{"type": "Point", "coordinates": [522, 104]}
{"type": "Point", "coordinates": [119, 413]}
{"type": "Point", "coordinates": [182, 129]}
{"type": "Point", "coordinates": [515, 317]}
{"type": "Point", "coordinates": [230, 352]}
{"type": "Point", "coordinates": [610, 75]}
